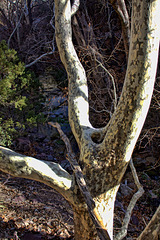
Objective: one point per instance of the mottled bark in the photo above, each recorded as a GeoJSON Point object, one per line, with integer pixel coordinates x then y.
{"type": "Point", "coordinates": [104, 152]}
{"type": "Point", "coordinates": [91, 210]}
{"type": "Point", "coordinates": [83, 223]}
{"type": "Point", "coordinates": [49, 173]}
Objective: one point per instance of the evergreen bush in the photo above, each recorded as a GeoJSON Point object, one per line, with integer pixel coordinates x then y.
{"type": "Point", "coordinates": [20, 97]}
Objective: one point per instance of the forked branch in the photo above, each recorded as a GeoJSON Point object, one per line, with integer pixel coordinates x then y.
{"type": "Point", "coordinates": [101, 230]}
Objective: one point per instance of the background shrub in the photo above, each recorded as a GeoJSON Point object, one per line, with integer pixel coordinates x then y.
{"type": "Point", "coordinates": [20, 96]}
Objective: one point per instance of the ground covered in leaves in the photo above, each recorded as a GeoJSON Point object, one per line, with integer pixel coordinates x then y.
{"type": "Point", "coordinates": [30, 210]}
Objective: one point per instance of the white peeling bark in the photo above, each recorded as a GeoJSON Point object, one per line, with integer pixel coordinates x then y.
{"type": "Point", "coordinates": [51, 174]}
{"type": "Point", "coordinates": [78, 90]}
{"type": "Point", "coordinates": [104, 153]}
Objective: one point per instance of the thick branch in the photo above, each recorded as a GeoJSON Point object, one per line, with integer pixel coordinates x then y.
{"type": "Point", "coordinates": [78, 90]}
{"type": "Point", "coordinates": [128, 119]}
{"type": "Point", "coordinates": [49, 173]}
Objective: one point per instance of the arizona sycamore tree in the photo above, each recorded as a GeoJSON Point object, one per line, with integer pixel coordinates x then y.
{"type": "Point", "coordinates": [104, 152]}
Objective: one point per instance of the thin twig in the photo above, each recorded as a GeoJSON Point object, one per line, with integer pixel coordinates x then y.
{"type": "Point", "coordinates": [114, 86]}
{"type": "Point", "coordinates": [101, 230]}
{"type": "Point", "coordinates": [15, 29]}
{"type": "Point", "coordinates": [123, 231]}
{"type": "Point", "coordinates": [37, 59]}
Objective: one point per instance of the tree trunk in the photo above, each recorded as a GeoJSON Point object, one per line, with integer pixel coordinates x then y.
{"type": "Point", "coordinates": [106, 152]}
{"type": "Point", "coordinates": [83, 226]}
{"type": "Point", "coordinates": [104, 211]}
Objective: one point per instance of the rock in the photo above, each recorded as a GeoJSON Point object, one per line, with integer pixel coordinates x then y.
{"type": "Point", "coordinates": [40, 137]}
{"type": "Point", "coordinates": [48, 131]}
{"type": "Point", "coordinates": [23, 144]}
{"type": "Point", "coordinates": [50, 158]}
{"type": "Point", "coordinates": [49, 83]}
{"type": "Point", "coordinates": [125, 190]}
{"type": "Point", "coordinates": [55, 102]}
{"type": "Point", "coordinates": [66, 129]}
{"type": "Point", "coordinates": [63, 111]}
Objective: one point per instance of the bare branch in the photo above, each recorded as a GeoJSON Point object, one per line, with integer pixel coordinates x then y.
{"type": "Point", "coordinates": [152, 230]}
{"type": "Point", "coordinates": [101, 230]}
{"type": "Point", "coordinates": [123, 231]}
{"type": "Point", "coordinates": [134, 173]}
{"type": "Point", "coordinates": [78, 89]}
{"type": "Point", "coordinates": [37, 59]}
{"type": "Point", "coordinates": [114, 86]}
{"type": "Point", "coordinates": [16, 27]}
{"type": "Point", "coordinates": [120, 7]}
{"type": "Point", "coordinates": [49, 173]}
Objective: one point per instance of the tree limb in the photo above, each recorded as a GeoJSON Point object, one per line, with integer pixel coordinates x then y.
{"type": "Point", "coordinates": [49, 173]}
{"type": "Point", "coordinates": [78, 90]}
{"type": "Point", "coordinates": [128, 119]}
{"type": "Point", "coordinates": [16, 28]}
{"type": "Point", "coordinates": [37, 59]}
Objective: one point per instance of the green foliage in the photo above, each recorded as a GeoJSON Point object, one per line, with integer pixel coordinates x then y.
{"type": "Point", "coordinates": [20, 98]}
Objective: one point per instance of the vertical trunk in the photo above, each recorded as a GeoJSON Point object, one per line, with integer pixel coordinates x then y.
{"type": "Point", "coordinates": [83, 225]}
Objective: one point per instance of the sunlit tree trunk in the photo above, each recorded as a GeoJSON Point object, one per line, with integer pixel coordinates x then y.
{"type": "Point", "coordinates": [105, 153]}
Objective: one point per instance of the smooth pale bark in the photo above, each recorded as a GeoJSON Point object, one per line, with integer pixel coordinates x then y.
{"type": "Point", "coordinates": [104, 153]}
{"type": "Point", "coordinates": [49, 173]}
